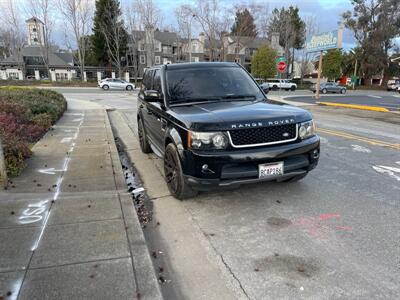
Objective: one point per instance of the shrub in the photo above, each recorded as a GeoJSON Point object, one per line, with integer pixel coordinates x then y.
{"type": "Point", "coordinates": [25, 116]}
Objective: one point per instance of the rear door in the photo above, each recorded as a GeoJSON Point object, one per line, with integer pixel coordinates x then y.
{"type": "Point", "coordinates": [147, 84]}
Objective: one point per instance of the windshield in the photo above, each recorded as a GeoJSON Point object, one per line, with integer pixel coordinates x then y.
{"type": "Point", "coordinates": [210, 84]}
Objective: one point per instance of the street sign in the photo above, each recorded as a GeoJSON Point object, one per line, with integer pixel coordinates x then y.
{"type": "Point", "coordinates": [325, 41]}
{"type": "Point", "coordinates": [281, 66]}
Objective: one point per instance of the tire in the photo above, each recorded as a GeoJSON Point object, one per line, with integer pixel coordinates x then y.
{"type": "Point", "coordinates": [275, 87]}
{"type": "Point", "coordinates": [295, 178]}
{"type": "Point", "coordinates": [129, 88]}
{"type": "Point", "coordinates": [324, 91]}
{"type": "Point", "coordinates": [105, 87]}
{"type": "Point", "coordinates": [174, 174]}
{"type": "Point", "coordinates": [292, 88]}
{"type": "Point", "coordinates": [286, 90]}
{"type": "Point", "coordinates": [143, 141]}
{"type": "Point", "coordinates": [343, 91]}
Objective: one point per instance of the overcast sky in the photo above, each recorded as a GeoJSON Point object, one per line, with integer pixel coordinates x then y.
{"type": "Point", "coordinates": [327, 13]}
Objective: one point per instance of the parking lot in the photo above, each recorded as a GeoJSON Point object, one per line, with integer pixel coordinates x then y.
{"type": "Point", "coordinates": [333, 235]}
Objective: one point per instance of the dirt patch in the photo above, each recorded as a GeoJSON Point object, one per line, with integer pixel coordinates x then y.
{"type": "Point", "coordinates": [288, 266]}
{"type": "Point", "coordinates": [278, 222]}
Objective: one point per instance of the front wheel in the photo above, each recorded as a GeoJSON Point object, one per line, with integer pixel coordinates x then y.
{"type": "Point", "coordinates": [343, 91]}
{"type": "Point", "coordinates": [129, 88]}
{"type": "Point", "coordinates": [292, 88]}
{"type": "Point", "coordinates": [106, 87]}
{"type": "Point", "coordinates": [324, 91]}
{"type": "Point", "coordinates": [176, 183]}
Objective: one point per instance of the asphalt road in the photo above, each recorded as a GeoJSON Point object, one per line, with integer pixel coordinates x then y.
{"type": "Point", "coordinates": [389, 100]}
{"type": "Point", "coordinates": [334, 235]}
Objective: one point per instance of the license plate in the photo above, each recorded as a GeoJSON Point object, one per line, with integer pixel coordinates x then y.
{"type": "Point", "coordinates": [272, 169]}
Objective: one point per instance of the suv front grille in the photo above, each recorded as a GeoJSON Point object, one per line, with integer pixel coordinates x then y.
{"type": "Point", "coordinates": [250, 137]}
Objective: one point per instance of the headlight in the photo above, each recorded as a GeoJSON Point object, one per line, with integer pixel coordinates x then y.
{"type": "Point", "coordinates": [306, 129]}
{"type": "Point", "coordinates": [207, 140]}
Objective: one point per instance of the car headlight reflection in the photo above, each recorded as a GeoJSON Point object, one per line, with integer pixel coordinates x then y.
{"type": "Point", "coordinates": [306, 129]}
{"type": "Point", "coordinates": [207, 140]}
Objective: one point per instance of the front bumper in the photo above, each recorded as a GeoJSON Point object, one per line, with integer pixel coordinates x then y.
{"type": "Point", "coordinates": [236, 167]}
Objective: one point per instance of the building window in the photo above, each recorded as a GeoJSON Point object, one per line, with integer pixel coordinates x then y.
{"type": "Point", "coordinates": [157, 47]}
{"type": "Point", "coordinates": [195, 59]}
{"type": "Point", "coordinates": [34, 29]}
{"type": "Point", "coordinates": [166, 61]}
{"type": "Point", "coordinates": [141, 46]}
{"type": "Point", "coordinates": [157, 60]}
{"type": "Point", "coordinates": [237, 60]}
{"type": "Point", "coordinates": [194, 48]}
{"type": "Point", "coordinates": [142, 59]}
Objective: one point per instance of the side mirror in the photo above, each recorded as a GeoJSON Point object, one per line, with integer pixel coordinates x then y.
{"type": "Point", "coordinates": [152, 96]}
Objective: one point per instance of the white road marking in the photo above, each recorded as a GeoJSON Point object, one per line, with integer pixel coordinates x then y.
{"type": "Point", "coordinates": [50, 171]}
{"type": "Point", "coordinates": [391, 171]}
{"type": "Point", "coordinates": [33, 213]}
{"type": "Point", "coordinates": [397, 96]}
{"type": "Point", "coordinates": [373, 96]}
{"type": "Point", "coordinates": [66, 140]}
{"type": "Point", "coordinates": [359, 148]}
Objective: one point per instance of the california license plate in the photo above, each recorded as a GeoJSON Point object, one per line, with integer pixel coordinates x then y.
{"type": "Point", "coordinates": [271, 169]}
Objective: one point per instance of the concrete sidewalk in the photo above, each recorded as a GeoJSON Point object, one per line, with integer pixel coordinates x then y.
{"type": "Point", "coordinates": [68, 227]}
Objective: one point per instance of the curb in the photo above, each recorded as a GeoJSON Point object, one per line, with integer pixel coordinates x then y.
{"type": "Point", "coordinates": [354, 106]}
{"type": "Point", "coordinates": [146, 280]}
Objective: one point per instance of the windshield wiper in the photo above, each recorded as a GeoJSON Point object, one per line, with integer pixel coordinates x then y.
{"type": "Point", "coordinates": [245, 96]}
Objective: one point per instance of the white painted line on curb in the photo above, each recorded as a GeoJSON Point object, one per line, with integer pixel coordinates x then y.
{"type": "Point", "coordinates": [373, 96]}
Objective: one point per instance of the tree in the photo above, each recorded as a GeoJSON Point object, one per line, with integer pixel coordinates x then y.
{"type": "Point", "coordinates": [291, 29]}
{"type": "Point", "coordinates": [78, 16]}
{"type": "Point", "coordinates": [263, 62]}
{"type": "Point", "coordinates": [332, 63]}
{"type": "Point", "coordinates": [244, 24]}
{"type": "Point", "coordinates": [375, 24]}
{"type": "Point", "coordinates": [109, 35]}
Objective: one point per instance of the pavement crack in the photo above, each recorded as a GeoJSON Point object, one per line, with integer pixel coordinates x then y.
{"type": "Point", "coordinates": [228, 268]}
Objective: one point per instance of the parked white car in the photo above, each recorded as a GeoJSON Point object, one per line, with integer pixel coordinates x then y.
{"type": "Point", "coordinates": [283, 84]}
{"type": "Point", "coordinates": [115, 83]}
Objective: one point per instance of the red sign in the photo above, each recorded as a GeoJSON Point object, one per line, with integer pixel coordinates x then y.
{"type": "Point", "coordinates": [281, 66]}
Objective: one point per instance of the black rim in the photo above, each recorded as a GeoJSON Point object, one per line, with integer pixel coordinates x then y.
{"type": "Point", "coordinates": [171, 171]}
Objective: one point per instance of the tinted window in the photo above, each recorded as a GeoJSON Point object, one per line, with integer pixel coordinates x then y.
{"type": "Point", "coordinates": [202, 83]}
{"type": "Point", "coordinates": [157, 81]}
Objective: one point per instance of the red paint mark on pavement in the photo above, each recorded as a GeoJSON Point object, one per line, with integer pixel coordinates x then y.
{"type": "Point", "coordinates": [344, 228]}
{"type": "Point", "coordinates": [318, 227]}
{"type": "Point", "coordinates": [328, 216]}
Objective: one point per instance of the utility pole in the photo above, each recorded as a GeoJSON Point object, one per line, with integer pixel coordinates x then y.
{"type": "Point", "coordinates": [355, 74]}
{"type": "Point", "coordinates": [3, 171]}
{"type": "Point", "coordinates": [319, 76]}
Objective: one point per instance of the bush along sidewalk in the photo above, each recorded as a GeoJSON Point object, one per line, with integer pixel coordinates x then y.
{"type": "Point", "coordinates": [26, 114]}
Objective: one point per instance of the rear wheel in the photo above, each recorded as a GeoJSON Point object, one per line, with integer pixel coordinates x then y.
{"type": "Point", "coordinates": [174, 174]}
{"type": "Point", "coordinates": [106, 87]}
{"type": "Point", "coordinates": [343, 91]}
{"type": "Point", "coordinates": [275, 87]}
{"type": "Point", "coordinates": [129, 88]}
{"type": "Point", "coordinates": [144, 143]}
{"type": "Point", "coordinates": [324, 91]}
{"type": "Point", "coordinates": [292, 88]}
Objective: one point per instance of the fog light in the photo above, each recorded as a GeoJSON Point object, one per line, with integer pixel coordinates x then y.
{"type": "Point", "coordinates": [315, 154]}
{"type": "Point", "coordinates": [204, 167]}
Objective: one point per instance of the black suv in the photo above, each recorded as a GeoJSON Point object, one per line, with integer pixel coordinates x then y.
{"type": "Point", "coordinates": [214, 127]}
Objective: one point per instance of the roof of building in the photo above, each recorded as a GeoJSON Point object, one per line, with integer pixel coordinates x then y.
{"type": "Point", "coordinates": [56, 58]}
{"type": "Point", "coordinates": [165, 37]}
{"type": "Point", "coordinates": [251, 42]}
{"type": "Point", "coordinates": [34, 19]}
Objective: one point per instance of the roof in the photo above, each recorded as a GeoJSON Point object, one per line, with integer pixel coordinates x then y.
{"type": "Point", "coordinates": [56, 58]}
{"type": "Point", "coordinates": [165, 37]}
{"type": "Point", "coordinates": [250, 42]}
{"type": "Point", "coordinates": [34, 19]}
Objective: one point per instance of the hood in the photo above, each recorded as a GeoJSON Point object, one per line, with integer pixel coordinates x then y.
{"type": "Point", "coordinates": [238, 114]}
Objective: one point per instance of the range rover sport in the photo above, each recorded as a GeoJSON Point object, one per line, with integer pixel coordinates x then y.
{"type": "Point", "coordinates": [213, 126]}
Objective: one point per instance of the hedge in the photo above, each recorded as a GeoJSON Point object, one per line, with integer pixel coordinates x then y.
{"type": "Point", "coordinates": [26, 114]}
